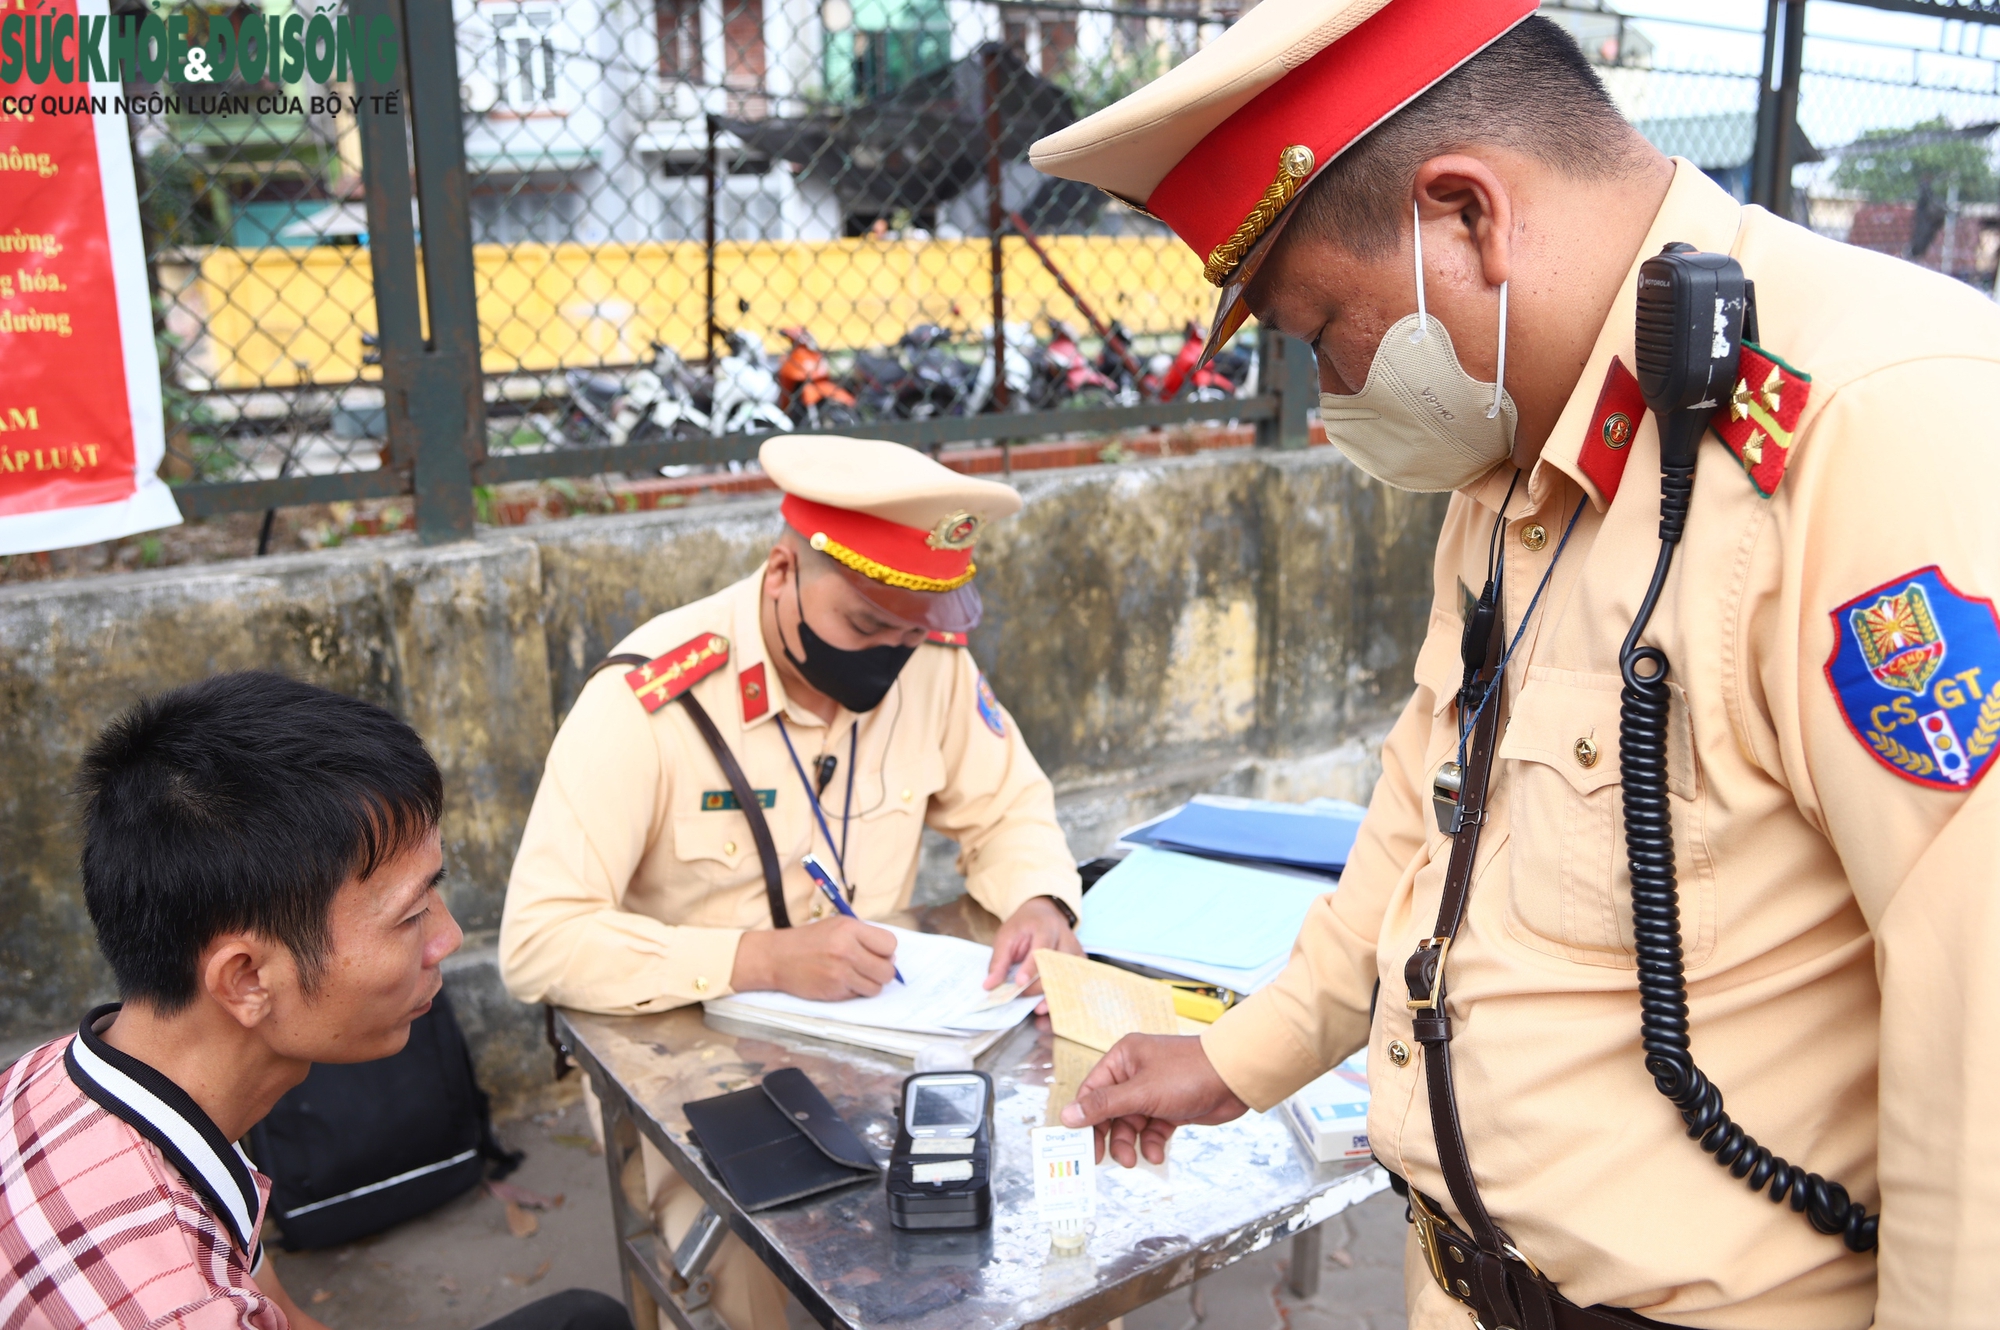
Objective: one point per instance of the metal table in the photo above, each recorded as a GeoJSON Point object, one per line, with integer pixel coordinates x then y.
{"type": "Point", "coordinates": [1224, 1193]}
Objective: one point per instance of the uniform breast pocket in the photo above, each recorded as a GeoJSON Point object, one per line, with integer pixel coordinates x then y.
{"type": "Point", "coordinates": [1569, 891]}
{"type": "Point", "coordinates": [716, 848]}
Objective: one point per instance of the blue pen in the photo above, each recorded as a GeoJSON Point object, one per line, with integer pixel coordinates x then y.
{"type": "Point", "coordinates": [824, 881]}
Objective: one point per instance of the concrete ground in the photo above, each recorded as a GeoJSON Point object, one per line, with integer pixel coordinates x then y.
{"type": "Point", "coordinates": [463, 1265]}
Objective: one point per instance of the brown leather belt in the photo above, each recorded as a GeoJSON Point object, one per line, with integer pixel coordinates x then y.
{"type": "Point", "coordinates": [1484, 1270]}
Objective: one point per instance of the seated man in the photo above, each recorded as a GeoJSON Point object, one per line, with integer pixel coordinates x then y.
{"type": "Point", "coordinates": [836, 677]}
{"type": "Point", "coordinates": [261, 864]}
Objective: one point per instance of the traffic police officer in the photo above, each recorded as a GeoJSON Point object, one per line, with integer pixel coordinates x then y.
{"type": "Point", "coordinates": [836, 679]}
{"type": "Point", "coordinates": [1377, 177]}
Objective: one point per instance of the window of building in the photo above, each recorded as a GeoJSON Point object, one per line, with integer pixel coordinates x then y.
{"type": "Point", "coordinates": [679, 25]}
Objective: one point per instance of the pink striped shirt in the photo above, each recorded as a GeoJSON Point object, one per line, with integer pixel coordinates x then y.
{"type": "Point", "coordinates": [120, 1202]}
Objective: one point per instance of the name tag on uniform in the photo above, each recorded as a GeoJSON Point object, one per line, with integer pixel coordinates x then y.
{"type": "Point", "coordinates": [721, 801]}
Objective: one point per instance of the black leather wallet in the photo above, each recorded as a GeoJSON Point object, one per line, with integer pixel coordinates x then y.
{"type": "Point", "coordinates": [778, 1141]}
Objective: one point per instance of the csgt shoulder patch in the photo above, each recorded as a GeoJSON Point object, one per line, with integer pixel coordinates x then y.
{"type": "Point", "coordinates": [1916, 671]}
{"type": "Point", "coordinates": [989, 708]}
{"type": "Point", "coordinates": [661, 680]}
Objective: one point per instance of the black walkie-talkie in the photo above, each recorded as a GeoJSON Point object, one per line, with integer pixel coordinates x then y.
{"type": "Point", "coordinates": [1695, 311]}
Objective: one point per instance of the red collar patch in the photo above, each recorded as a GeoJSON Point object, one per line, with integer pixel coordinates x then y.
{"type": "Point", "coordinates": [1613, 426]}
{"type": "Point", "coordinates": [660, 681]}
{"type": "Point", "coordinates": [756, 697]}
{"type": "Point", "coordinates": [939, 637]}
{"type": "Point", "coordinates": [1762, 414]}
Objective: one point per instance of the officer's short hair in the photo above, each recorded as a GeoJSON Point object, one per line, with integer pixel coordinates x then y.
{"type": "Point", "coordinates": [242, 802]}
{"type": "Point", "coordinates": [1532, 90]}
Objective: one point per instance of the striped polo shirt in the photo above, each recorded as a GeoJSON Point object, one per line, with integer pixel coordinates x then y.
{"type": "Point", "coordinates": [120, 1202]}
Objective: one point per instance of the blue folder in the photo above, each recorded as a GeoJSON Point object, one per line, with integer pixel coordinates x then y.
{"type": "Point", "coordinates": [1319, 840]}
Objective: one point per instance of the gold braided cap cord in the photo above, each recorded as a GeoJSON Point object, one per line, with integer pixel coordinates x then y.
{"type": "Point", "coordinates": [1294, 165]}
{"type": "Point", "coordinates": [887, 576]}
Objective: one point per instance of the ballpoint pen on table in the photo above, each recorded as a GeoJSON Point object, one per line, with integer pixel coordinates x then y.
{"type": "Point", "coordinates": [824, 881]}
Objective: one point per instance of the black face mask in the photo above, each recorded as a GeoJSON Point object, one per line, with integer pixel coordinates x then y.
{"type": "Point", "coordinates": [858, 680]}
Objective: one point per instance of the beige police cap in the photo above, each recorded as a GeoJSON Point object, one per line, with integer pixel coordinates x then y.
{"type": "Point", "coordinates": [902, 526]}
{"type": "Point", "coordinates": [1219, 146]}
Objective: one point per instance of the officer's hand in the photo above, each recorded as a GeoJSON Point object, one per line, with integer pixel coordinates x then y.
{"type": "Point", "coordinates": [1038, 923]}
{"type": "Point", "coordinates": [1147, 1085]}
{"type": "Point", "coordinates": [827, 961]}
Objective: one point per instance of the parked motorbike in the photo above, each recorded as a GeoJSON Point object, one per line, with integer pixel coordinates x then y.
{"type": "Point", "coordinates": [664, 399]}
{"type": "Point", "coordinates": [807, 390]}
{"type": "Point", "coordinates": [1064, 376]}
{"type": "Point", "coordinates": [744, 397]}
{"type": "Point", "coordinates": [590, 420]}
{"type": "Point", "coordinates": [1023, 351]}
{"type": "Point", "coordinates": [938, 383]}
{"type": "Point", "coordinates": [1176, 376]}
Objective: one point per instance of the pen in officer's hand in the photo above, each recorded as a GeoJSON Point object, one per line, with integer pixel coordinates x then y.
{"type": "Point", "coordinates": [824, 881]}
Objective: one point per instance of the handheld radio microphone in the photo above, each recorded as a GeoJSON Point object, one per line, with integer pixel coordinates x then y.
{"type": "Point", "coordinates": [1695, 310]}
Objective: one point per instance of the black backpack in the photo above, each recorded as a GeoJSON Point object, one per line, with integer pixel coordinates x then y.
{"type": "Point", "coordinates": [356, 1148]}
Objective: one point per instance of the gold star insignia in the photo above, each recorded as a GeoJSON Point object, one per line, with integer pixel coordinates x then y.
{"type": "Point", "coordinates": [1773, 391]}
{"type": "Point", "coordinates": [1739, 401]}
{"type": "Point", "coordinates": [1753, 448]}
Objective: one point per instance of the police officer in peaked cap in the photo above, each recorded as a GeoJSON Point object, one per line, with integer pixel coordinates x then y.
{"type": "Point", "coordinates": [836, 681]}
{"type": "Point", "coordinates": [1671, 930]}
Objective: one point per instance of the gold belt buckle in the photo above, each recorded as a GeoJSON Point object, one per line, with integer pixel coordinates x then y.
{"type": "Point", "coordinates": [1428, 1222]}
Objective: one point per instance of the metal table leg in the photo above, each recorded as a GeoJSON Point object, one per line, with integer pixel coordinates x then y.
{"type": "Point", "coordinates": [656, 1282]}
{"type": "Point", "coordinates": [1304, 1278]}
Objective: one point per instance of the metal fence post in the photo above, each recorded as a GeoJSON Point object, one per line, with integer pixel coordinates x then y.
{"type": "Point", "coordinates": [1778, 105]}
{"type": "Point", "coordinates": [392, 242]}
{"type": "Point", "coordinates": [996, 226]}
{"type": "Point", "coordinates": [712, 172]}
{"type": "Point", "coordinates": [447, 400]}
{"type": "Point", "coordinates": [1292, 375]}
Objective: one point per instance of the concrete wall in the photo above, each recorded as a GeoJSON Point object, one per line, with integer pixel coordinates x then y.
{"type": "Point", "coordinates": [1244, 623]}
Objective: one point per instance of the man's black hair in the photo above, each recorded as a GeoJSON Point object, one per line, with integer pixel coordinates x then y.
{"type": "Point", "coordinates": [244, 802]}
{"type": "Point", "coordinates": [1532, 90]}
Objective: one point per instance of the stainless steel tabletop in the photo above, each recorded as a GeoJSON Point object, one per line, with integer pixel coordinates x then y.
{"type": "Point", "coordinates": [1224, 1192]}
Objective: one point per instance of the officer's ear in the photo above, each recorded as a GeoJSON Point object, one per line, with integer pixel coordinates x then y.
{"type": "Point", "coordinates": [778, 568]}
{"type": "Point", "coordinates": [1464, 187]}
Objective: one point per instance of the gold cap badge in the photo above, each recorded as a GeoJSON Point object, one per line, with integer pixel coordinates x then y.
{"type": "Point", "coordinates": [954, 531]}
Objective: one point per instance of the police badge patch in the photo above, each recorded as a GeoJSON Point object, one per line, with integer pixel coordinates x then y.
{"type": "Point", "coordinates": [989, 708]}
{"type": "Point", "coordinates": [1916, 670]}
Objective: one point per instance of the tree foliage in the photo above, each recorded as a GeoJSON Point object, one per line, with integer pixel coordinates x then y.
{"type": "Point", "coordinates": [1918, 164]}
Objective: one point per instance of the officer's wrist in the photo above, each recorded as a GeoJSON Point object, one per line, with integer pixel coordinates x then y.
{"type": "Point", "coordinates": [1062, 908]}
{"type": "Point", "coordinates": [752, 971]}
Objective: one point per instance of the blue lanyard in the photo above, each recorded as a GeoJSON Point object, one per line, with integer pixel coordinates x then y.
{"type": "Point", "coordinates": [1500, 671]}
{"type": "Point", "coordinates": [812, 798]}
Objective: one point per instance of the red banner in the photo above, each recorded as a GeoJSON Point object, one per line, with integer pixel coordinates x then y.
{"type": "Point", "coordinates": [81, 431]}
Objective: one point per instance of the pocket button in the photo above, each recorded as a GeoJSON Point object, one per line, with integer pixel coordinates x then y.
{"type": "Point", "coordinates": [1399, 1052]}
{"type": "Point", "coordinates": [1586, 752]}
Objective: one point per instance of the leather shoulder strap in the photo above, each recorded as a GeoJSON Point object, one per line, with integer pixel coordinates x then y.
{"type": "Point", "coordinates": [746, 797]}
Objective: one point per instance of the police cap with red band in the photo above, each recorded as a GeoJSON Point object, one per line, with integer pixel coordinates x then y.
{"type": "Point", "coordinates": [1219, 146]}
{"type": "Point", "coordinates": [900, 527]}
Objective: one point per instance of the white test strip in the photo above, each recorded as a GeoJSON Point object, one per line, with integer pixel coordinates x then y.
{"type": "Point", "coordinates": [954, 1170]}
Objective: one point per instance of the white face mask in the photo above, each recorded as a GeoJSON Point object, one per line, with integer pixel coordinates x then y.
{"type": "Point", "coordinates": [1421, 422]}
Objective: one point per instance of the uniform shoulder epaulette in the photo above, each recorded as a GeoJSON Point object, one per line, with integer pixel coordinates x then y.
{"type": "Point", "coordinates": [937, 637]}
{"type": "Point", "coordinates": [1761, 415]}
{"type": "Point", "coordinates": [661, 680]}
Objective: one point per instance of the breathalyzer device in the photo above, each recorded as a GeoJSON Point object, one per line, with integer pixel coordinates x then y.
{"type": "Point", "coordinates": [941, 1171]}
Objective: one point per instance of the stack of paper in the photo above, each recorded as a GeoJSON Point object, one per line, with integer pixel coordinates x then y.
{"type": "Point", "coordinates": [943, 998]}
{"type": "Point", "coordinates": [1213, 921]}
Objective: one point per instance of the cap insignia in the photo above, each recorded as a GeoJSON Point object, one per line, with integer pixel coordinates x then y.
{"type": "Point", "coordinates": [954, 531]}
{"type": "Point", "coordinates": [1294, 165]}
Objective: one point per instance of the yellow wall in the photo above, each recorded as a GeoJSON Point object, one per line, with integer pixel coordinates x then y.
{"type": "Point", "coordinates": [271, 311]}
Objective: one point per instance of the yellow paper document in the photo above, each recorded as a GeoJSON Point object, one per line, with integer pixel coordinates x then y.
{"type": "Point", "coordinates": [1097, 1004]}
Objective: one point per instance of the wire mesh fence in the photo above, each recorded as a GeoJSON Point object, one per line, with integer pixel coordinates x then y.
{"type": "Point", "coordinates": [1892, 147]}
{"type": "Point", "coordinates": [703, 220]}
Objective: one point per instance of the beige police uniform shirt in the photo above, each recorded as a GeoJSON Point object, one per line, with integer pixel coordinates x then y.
{"type": "Point", "coordinates": [1841, 921]}
{"type": "Point", "coordinates": [631, 889]}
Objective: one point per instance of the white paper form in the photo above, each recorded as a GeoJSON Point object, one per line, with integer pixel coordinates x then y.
{"type": "Point", "coordinates": [943, 995]}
